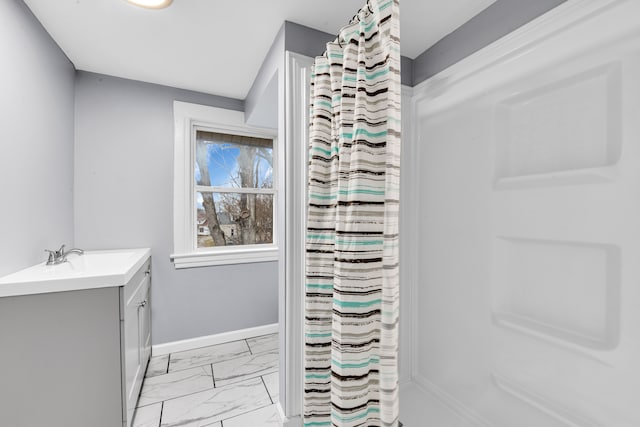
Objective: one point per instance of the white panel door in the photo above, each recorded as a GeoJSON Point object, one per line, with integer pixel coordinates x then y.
{"type": "Point", "coordinates": [529, 294]}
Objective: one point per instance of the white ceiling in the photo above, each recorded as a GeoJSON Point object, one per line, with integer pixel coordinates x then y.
{"type": "Point", "coordinates": [216, 46]}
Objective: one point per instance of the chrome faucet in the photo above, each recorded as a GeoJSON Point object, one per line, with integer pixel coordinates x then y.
{"type": "Point", "coordinates": [60, 256]}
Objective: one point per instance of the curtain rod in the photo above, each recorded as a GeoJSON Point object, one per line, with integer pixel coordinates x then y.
{"type": "Point", "coordinates": [352, 21]}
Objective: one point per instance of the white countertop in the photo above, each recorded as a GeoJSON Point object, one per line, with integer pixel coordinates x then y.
{"type": "Point", "coordinates": [93, 269]}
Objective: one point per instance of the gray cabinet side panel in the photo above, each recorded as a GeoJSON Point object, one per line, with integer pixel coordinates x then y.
{"type": "Point", "coordinates": [60, 359]}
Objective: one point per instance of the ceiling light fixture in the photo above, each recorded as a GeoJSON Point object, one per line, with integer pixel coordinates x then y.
{"type": "Point", "coordinates": [151, 4]}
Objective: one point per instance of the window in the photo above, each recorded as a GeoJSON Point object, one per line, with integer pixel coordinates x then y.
{"type": "Point", "coordinates": [234, 188]}
{"type": "Point", "coordinates": [225, 188]}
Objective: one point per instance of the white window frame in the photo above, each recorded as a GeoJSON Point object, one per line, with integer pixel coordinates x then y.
{"type": "Point", "coordinates": [186, 254]}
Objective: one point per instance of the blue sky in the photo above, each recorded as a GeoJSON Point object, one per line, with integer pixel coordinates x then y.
{"type": "Point", "coordinates": [222, 162]}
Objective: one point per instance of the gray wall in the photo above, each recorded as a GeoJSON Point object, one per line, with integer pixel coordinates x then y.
{"type": "Point", "coordinates": [310, 42]}
{"type": "Point", "coordinates": [304, 40]}
{"type": "Point", "coordinates": [496, 21]}
{"type": "Point", "coordinates": [36, 140]}
{"type": "Point", "coordinates": [261, 103]}
{"type": "Point", "coordinates": [124, 198]}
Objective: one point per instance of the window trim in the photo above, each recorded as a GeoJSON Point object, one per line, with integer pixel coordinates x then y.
{"type": "Point", "coordinates": [187, 117]}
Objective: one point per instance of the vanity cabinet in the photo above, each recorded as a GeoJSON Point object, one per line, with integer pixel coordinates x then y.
{"type": "Point", "coordinates": [135, 335]}
{"type": "Point", "coordinates": [76, 357]}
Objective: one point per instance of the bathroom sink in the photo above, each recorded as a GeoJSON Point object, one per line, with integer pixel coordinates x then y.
{"type": "Point", "coordinates": [93, 269]}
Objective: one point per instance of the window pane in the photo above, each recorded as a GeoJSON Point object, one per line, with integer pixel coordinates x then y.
{"type": "Point", "coordinates": [234, 161]}
{"type": "Point", "coordinates": [228, 219]}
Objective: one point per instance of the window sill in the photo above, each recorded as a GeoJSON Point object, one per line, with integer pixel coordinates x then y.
{"type": "Point", "coordinates": [226, 257]}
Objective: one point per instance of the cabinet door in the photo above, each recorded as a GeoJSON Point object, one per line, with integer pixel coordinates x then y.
{"type": "Point", "coordinates": [135, 347]}
{"type": "Point", "coordinates": [131, 353]}
{"type": "Point", "coordinates": [144, 325]}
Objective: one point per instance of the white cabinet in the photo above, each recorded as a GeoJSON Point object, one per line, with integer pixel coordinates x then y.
{"type": "Point", "coordinates": [135, 336]}
{"type": "Point", "coordinates": [77, 357]}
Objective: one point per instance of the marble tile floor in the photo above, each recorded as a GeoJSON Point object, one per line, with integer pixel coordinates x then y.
{"type": "Point", "coordinates": [233, 384]}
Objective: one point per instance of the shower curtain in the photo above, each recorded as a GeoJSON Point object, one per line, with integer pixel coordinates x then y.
{"type": "Point", "coordinates": [351, 290]}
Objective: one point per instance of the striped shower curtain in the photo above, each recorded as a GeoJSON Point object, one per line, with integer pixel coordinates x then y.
{"type": "Point", "coordinates": [351, 289]}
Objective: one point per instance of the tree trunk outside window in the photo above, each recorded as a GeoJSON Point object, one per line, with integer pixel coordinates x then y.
{"type": "Point", "coordinates": [208, 202]}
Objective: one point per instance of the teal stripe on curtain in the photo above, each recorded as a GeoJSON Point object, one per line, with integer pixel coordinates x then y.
{"type": "Point", "coordinates": [352, 285]}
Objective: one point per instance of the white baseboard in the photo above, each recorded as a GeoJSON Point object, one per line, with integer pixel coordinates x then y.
{"type": "Point", "coordinates": [192, 343]}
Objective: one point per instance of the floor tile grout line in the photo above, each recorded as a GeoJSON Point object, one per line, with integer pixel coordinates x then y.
{"type": "Point", "coordinates": [223, 360]}
{"type": "Point", "coordinates": [246, 413]}
{"type": "Point", "coordinates": [201, 391]}
{"type": "Point", "coordinates": [267, 388]}
{"type": "Point", "coordinates": [240, 414]}
{"type": "Point", "coordinates": [208, 363]}
{"type": "Point", "coordinates": [246, 340]}
{"type": "Point", "coordinates": [168, 385]}
{"type": "Point", "coordinates": [250, 376]}
{"type": "Point", "coordinates": [213, 346]}
{"type": "Point", "coordinates": [146, 405]}
{"type": "Point", "coordinates": [213, 376]}
{"type": "Point", "coordinates": [245, 377]}
{"type": "Point", "coordinates": [177, 397]}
